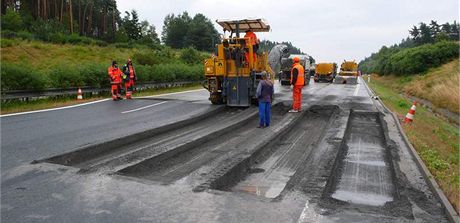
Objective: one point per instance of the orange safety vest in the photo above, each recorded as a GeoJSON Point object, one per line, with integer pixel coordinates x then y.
{"type": "Point", "coordinates": [131, 71]}
{"type": "Point", "coordinates": [252, 37]}
{"type": "Point", "coordinates": [300, 74]}
{"type": "Point", "coordinates": [115, 74]}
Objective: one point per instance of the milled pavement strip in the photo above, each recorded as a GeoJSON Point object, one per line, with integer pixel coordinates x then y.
{"type": "Point", "coordinates": [68, 158]}
{"type": "Point", "coordinates": [89, 103]}
{"type": "Point", "coordinates": [221, 175]}
{"type": "Point", "coordinates": [164, 152]}
{"type": "Point", "coordinates": [142, 108]}
{"type": "Point", "coordinates": [128, 168]}
{"type": "Point", "coordinates": [449, 209]}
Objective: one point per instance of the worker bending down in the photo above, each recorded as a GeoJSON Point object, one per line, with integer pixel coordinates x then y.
{"type": "Point", "coordinates": [129, 77]}
{"type": "Point", "coordinates": [297, 80]}
{"type": "Point", "coordinates": [115, 80]}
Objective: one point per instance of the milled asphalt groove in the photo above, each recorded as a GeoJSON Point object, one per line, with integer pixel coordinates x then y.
{"type": "Point", "coordinates": [236, 167]}
{"type": "Point", "coordinates": [153, 142]}
{"type": "Point", "coordinates": [280, 159]}
{"type": "Point", "coordinates": [365, 177]}
{"type": "Point", "coordinates": [174, 167]}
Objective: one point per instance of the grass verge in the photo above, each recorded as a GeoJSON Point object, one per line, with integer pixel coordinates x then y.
{"type": "Point", "coordinates": [435, 139]}
{"type": "Point", "coordinates": [440, 85]}
{"type": "Point", "coordinates": [39, 104]}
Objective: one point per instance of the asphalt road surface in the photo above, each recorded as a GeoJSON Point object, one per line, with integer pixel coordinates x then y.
{"type": "Point", "coordinates": [340, 160]}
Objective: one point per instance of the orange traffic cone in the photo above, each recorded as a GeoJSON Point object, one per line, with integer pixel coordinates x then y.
{"type": "Point", "coordinates": [79, 94]}
{"type": "Point", "coordinates": [410, 115]}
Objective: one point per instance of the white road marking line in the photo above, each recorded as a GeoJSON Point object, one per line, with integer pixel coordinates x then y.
{"type": "Point", "coordinates": [148, 106]}
{"type": "Point", "coordinates": [88, 103]}
{"type": "Point", "coordinates": [53, 109]}
{"type": "Point", "coordinates": [356, 89]}
{"type": "Point", "coordinates": [180, 92]}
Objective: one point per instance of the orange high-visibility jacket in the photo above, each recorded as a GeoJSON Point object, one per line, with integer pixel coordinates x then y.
{"type": "Point", "coordinates": [131, 72]}
{"type": "Point", "coordinates": [115, 74]}
{"type": "Point", "coordinates": [300, 74]}
{"type": "Point", "coordinates": [252, 36]}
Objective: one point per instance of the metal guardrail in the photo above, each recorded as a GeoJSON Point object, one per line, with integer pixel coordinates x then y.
{"type": "Point", "coordinates": [29, 94]}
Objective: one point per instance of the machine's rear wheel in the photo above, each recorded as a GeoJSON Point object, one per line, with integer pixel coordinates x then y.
{"type": "Point", "coordinates": [216, 98]}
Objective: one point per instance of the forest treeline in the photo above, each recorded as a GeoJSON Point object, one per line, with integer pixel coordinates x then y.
{"type": "Point", "coordinates": [428, 45]}
{"type": "Point", "coordinates": [101, 22]}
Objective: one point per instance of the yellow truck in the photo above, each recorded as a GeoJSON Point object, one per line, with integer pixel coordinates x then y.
{"type": "Point", "coordinates": [325, 72]}
{"type": "Point", "coordinates": [348, 73]}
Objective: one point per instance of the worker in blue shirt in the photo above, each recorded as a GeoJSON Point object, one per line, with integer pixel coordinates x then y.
{"type": "Point", "coordinates": [264, 94]}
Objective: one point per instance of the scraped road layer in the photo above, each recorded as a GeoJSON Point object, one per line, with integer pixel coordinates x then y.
{"type": "Point", "coordinates": [176, 158]}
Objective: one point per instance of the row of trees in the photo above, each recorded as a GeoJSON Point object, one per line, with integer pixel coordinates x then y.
{"type": "Point", "coordinates": [92, 18]}
{"type": "Point", "coordinates": [51, 20]}
{"type": "Point", "coordinates": [433, 32]}
{"type": "Point", "coordinates": [101, 19]}
{"type": "Point", "coordinates": [184, 31]}
{"type": "Point", "coordinates": [427, 46]}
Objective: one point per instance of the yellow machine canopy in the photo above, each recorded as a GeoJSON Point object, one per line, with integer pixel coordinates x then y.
{"type": "Point", "coordinates": [256, 25]}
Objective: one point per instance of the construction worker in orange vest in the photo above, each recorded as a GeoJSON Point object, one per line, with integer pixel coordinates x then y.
{"type": "Point", "coordinates": [254, 42]}
{"type": "Point", "coordinates": [129, 76]}
{"type": "Point", "coordinates": [298, 80]}
{"type": "Point", "coordinates": [115, 80]}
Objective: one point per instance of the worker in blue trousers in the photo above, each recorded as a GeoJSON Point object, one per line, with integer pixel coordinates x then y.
{"type": "Point", "coordinates": [264, 95]}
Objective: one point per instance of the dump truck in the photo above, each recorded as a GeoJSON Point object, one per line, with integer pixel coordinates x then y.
{"type": "Point", "coordinates": [348, 73]}
{"type": "Point", "coordinates": [232, 73]}
{"type": "Point", "coordinates": [286, 66]}
{"type": "Point", "coordinates": [325, 72]}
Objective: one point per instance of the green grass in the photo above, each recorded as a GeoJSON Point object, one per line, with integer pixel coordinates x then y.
{"type": "Point", "coordinates": [44, 56]}
{"type": "Point", "coordinates": [440, 85]}
{"type": "Point", "coordinates": [435, 139]}
{"type": "Point", "coordinates": [32, 105]}
{"type": "Point", "coordinates": [28, 65]}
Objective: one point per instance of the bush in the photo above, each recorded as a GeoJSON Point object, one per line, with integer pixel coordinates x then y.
{"type": "Point", "coordinates": [8, 42]}
{"type": "Point", "coordinates": [100, 43]}
{"type": "Point", "coordinates": [94, 75]}
{"type": "Point", "coordinates": [57, 38]}
{"type": "Point", "coordinates": [25, 35]}
{"type": "Point", "coordinates": [11, 20]}
{"type": "Point", "coordinates": [20, 77]}
{"type": "Point", "coordinates": [44, 29]}
{"type": "Point", "coordinates": [8, 34]}
{"type": "Point", "coordinates": [65, 76]}
{"type": "Point", "coordinates": [169, 72]}
{"type": "Point", "coordinates": [74, 39]}
{"type": "Point", "coordinates": [123, 45]}
{"type": "Point", "coordinates": [414, 60]}
{"type": "Point", "coordinates": [420, 59]}
{"type": "Point", "coordinates": [145, 58]}
{"type": "Point", "coordinates": [191, 56]}
{"type": "Point", "coordinates": [155, 57]}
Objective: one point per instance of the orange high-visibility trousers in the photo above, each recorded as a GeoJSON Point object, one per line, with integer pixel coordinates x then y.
{"type": "Point", "coordinates": [297, 97]}
{"type": "Point", "coordinates": [129, 87]}
{"type": "Point", "coordinates": [116, 90]}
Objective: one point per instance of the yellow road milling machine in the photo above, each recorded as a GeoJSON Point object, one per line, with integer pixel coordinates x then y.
{"type": "Point", "coordinates": [348, 73]}
{"type": "Point", "coordinates": [234, 70]}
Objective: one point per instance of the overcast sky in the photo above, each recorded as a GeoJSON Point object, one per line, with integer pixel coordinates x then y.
{"type": "Point", "coordinates": [329, 30]}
